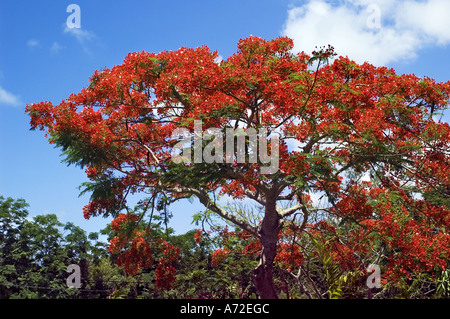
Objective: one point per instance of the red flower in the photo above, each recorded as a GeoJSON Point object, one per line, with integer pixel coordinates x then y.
{"type": "Point", "coordinates": [289, 256]}
{"type": "Point", "coordinates": [219, 255]}
{"type": "Point", "coordinates": [198, 236]}
{"type": "Point", "coordinates": [121, 219]}
{"type": "Point", "coordinates": [165, 275]}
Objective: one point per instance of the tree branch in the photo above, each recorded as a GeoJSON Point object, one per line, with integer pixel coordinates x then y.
{"type": "Point", "coordinates": [286, 212]}
{"type": "Point", "coordinates": [209, 204]}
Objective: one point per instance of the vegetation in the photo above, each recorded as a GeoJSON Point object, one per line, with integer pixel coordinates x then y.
{"type": "Point", "coordinates": [35, 253]}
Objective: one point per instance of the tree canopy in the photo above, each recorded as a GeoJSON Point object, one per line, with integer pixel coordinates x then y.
{"type": "Point", "coordinates": [367, 141]}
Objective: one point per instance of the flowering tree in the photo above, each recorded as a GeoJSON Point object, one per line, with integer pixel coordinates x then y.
{"type": "Point", "coordinates": [338, 123]}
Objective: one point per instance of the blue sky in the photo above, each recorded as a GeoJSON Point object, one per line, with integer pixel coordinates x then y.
{"type": "Point", "coordinates": [40, 59]}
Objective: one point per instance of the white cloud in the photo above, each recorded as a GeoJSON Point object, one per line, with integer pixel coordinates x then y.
{"type": "Point", "coordinates": [56, 48]}
{"type": "Point", "coordinates": [8, 98]}
{"type": "Point", "coordinates": [32, 43]}
{"type": "Point", "coordinates": [430, 19]}
{"type": "Point", "coordinates": [379, 32]}
{"type": "Point", "coordinates": [219, 59]}
{"type": "Point", "coordinates": [82, 36]}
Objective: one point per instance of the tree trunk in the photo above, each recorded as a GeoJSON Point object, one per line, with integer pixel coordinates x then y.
{"type": "Point", "coordinates": [263, 273]}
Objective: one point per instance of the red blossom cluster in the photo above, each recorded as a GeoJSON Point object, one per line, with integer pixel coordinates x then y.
{"type": "Point", "coordinates": [198, 236]}
{"type": "Point", "coordinates": [219, 255]}
{"type": "Point", "coordinates": [165, 271]}
{"type": "Point", "coordinates": [136, 250]}
{"type": "Point", "coordinates": [289, 255]}
{"type": "Point", "coordinates": [414, 232]}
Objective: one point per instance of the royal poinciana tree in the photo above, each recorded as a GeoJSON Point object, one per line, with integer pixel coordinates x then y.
{"type": "Point", "coordinates": [364, 138]}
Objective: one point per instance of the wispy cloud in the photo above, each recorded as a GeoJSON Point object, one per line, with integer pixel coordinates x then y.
{"type": "Point", "coordinates": [83, 36]}
{"type": "Point", "coordinates": [377, 31]}
{"type": "Point", "coordinates": [32, 43]}
{"type": "Point", "coordinates": [7, 98]}
{"type": "Point", "coordinates": [56, 48]}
